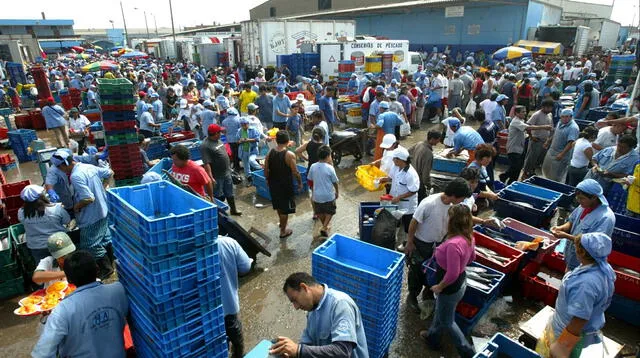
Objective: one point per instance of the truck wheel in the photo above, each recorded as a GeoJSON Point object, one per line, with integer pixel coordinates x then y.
{"type": "Point", "coordinates": [336, 155]}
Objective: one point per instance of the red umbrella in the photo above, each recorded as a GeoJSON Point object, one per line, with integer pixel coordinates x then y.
{"type": "Point", "coordinates": [78, 49]}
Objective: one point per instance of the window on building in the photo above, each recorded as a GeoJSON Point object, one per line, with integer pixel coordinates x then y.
{"type": "Point", "coordinates": [324, 4]}
{"type": "Point", "coordinates": [272, 11]}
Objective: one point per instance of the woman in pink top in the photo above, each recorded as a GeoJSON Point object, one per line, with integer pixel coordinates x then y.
{"type": "Point", "coordinates": [455, 253]}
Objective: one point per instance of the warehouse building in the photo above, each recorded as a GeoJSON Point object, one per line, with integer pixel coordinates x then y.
{"type": "Point", "coordinates": [22, 39]}
{"type": "Point", "coordinates": [459, 24]}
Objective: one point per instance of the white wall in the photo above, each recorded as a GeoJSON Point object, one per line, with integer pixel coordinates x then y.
{"type": "Point", "coordinates": [582, 9]}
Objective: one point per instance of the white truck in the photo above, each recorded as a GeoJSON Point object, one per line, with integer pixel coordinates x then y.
{"type": "Point", "coordinates": [572, 37]}
{"type": "Point", "coordinates": [333, 52]}
{"type": "Point", "coordinates": [263, 40]}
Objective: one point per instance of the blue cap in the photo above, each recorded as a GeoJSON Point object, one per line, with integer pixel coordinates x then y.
{"type": "Point", "coordinates": [148, 107]}
{"type": "Point", "coordinates": [280, 89]}
{"type": "Point", "coordinates": [566, 112]}
{"type": "Point", "coordinates": [207, 103]}
{"type": "Point", "coordinates": [155, 95]}
{"type": "Point", "coordinates": [592, 187]}
{"type": "Point", "coordinates": [244, 120]}
{"type": "Point", "coordinates": [501, 97]}
{"type": "Point", "coordinates": [394, 82]}
{"type": "Point", "coordinates": [454, 122]}
{"type": "Point", "coordinates": [61, 156]}
{"type": "Point", "coordinates": [232, 111]}
{"type": "Point", "coordinates": [218, 87]}
{"type": "Point", "coordinates": [379, 89]}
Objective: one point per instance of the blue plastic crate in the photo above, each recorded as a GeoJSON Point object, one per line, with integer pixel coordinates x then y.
{"type": "Point", "coordinates": [510, 204]}
{"type": "Point", "coordinates": [446, 165]}
{"type": "Point", "coordinates": [623, 309]}
{"type": "Point", "coordinates": [200, 346]}
{"type": "Point", "coordinates": [598, 113]}
{"type": "Point", "coordinates": [165, 127]}
{"type": "Point", "coordinates": [118, 116]}
{"type": "Point", "coordinates": [617, 198]}
{"type": "Point", "coordinates": [536, 192]}
{"type": "Point", "coordinates": [262, 189]}
{"type": "Point", "coordinates": [500, 345]}
{"type": "Point", "coordinates": [194, 147]}
{"type": "Point", "coordinates": [369, 208]}
{"type": "Point", "coordinates": [162, 207]}
{"type": "Point", "coordinates": [626, 235]}
{"type": "Point", "coordinates": [568, 192]}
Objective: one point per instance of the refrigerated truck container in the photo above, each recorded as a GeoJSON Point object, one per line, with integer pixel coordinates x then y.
{"type": "Point", "coordinates": [571, 37]}
{"type": "Point", "coordinates": [263, 40]}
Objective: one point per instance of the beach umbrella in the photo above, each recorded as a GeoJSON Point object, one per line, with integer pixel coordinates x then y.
{"type": "Point", "coordinates": [134, 54]}
{"type": "Point", "coordinates": [100, 66]}
{"type": "Point", "coordinates": [510, 53]}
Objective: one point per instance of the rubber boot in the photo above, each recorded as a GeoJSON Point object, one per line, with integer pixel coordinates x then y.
{"type": "Point", "coordinates": [105, 269]}
{"type": "Point", "coordinates": [232, 205]}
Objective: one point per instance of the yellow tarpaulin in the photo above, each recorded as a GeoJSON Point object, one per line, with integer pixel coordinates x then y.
{"type": "Point", "coordinates": [540, 47]}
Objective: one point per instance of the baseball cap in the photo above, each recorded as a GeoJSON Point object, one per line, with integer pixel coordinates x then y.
{"type": "Point", "coordinates": [280, 89]}
{"type": "Point", "coordinates": [300, 97]}
{"type": "Point", "coordinates": [387, 141]}
{"type": "Point", "coordinates": [384, 104]}
{"type": "Point", "coordinates": [453, 122]}
{"type": "Point", "coordinates": [155, 95]}
{"type": "Point", "coordinates": [214, 129]}
{"type": "Point", "coordinates": [252, 106]}
{"type": "Point", "coordinates": [60, 245]}
{"type": "Point", "coordinates": [73, 110]}
{"type": "Point", "coordinates": [401, 153]}
{"type": "Point", "coordinates": [148, 107]}
{"type": "Point", "coordinates": [244, 120]}
{"type": "Point", "coordinates": [207, 103]}
{"type": "Point", "coordinates": [566, 112]}
{"type": "Point", "coordinates": [393, 95]}
{"type": "Point", "coordinates": [501, 97]}
{"type": "Point", "coordinates": [232, 111]}
{"type": "Point", "coordinates": [31, 192]}
{"type": "Point", "coordinates": [379, 89]}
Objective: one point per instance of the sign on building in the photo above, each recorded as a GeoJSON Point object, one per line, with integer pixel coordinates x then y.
{"type": "Point", "coordinates": [454, 11]}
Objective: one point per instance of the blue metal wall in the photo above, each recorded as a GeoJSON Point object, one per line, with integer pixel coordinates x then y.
{"type": "Point", "coordinates": [485, 26]}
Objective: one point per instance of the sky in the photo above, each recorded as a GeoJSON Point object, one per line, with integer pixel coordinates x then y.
{"type": "Point", "coordinates": [186, 13]}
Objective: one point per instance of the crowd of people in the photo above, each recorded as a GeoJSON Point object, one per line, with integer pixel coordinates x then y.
{"type": "Point", "coordinates": [518, 99]}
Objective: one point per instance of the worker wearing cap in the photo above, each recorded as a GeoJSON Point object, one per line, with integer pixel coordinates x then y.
{"type": "Point", "coordinates": [140, 104]}
{"type": "Point", "coordinates": [90, 206]}
{"type": "Point", "coordinates": [54, 117]}
{"type": "Point", "coordinates": [92, 97]}
{"type": "Point", "coordinates": [50, 269]}
{"type": "Point", "coordinates": [353, 85]}
{"type": "Point", "coordinates": [78, 128]}
{"type": "Point", "coordinates": [328, 106]}
{"type": "Point", "coordinates": [499, 114]}
{"type": "Point", "coordinates": [158, 111]}
{"type": "Point", "coordinates": [207, 117]}
{"type": "Point", "coordinates": [147, 123]}
{"type": "Point", "coordinates": [232, 125]}
{"type": "Point", "coordinates": [465, 138]}
{"type": "Point", "coordinates": [215, 158]}
{"type": "Point", "coordinates": [558, 157]}
{"type": "Point", "coordinates": [405, 183]}
{"type": "Point", "coordinates": [374, 107]}
{"type": "Point", "coordinates": [281, 109]}
{"type": "Point", "coordinates": [386, 123]}
{"type": "Point", "coordinates": [89, 322]}
{"type": "Point", "coordinates": [40, 218]}
{"type": "Point", "coordinates": [248, 138]}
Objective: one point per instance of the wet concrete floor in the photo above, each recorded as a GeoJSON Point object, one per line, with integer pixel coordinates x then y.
{"type": "Point", "coordinates": [265, 311]}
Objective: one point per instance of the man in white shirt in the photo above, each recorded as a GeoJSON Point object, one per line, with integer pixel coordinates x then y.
{"type": "Point", "coordinates": [608, 136]}
{"type": "Point", "coordinates": [428, 227]}
{"type": "Point", "coordinates": [78, 128]}
{"type": "Point", "coordinates": [49, 269]}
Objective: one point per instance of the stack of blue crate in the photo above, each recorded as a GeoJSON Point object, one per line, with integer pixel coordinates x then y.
{"type": "Point", "coordinates": [165, 240]}
{"type": "Point", "coordinates": [372, 276]}
{"type": "Point", "coordinates": [157, 148]}
{"type": "Point", "coordinates": [528, 203]}
{"type": "Point", "coordinates": [16, 73]}
{"type": "Point", "coordinates": [20, 139]}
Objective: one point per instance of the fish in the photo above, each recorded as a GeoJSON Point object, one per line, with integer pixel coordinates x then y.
{"type": "Point", "coordinates": [522, 203]}
{"type": "Point", "coordinates": [475, 269]}
{"type": "Point", "coordinates": [483, 251]}
{"type": "Point", "coordinates": [478, 278]}
{"type": "Point", "coordinates": [495, 233]}
{"type": "Point", "coordinates": [503, 241]}
{"type": "Point", "coordinates": [478, 285]}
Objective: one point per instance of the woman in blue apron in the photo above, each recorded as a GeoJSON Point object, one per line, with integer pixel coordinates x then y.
{"type": "Point", "coordinates": [584, 296]}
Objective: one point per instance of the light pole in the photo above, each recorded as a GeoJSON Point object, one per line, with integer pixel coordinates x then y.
{"type": "Point", "coordinates": [145, 20]}
{"type": "Point", "coordinates": [127, 42]}
{"type": "Point", "coordinates": [155, 23]}
{"type": "Point", "coordinates": [173, 30]}
{"type": "Point", "coordinates": [112, 26]}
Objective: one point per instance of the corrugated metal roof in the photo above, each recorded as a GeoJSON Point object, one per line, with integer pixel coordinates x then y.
{"type": "Point", "coordinates": [391, 6]}
{"type": "Point", "coordinates": [36, 22]}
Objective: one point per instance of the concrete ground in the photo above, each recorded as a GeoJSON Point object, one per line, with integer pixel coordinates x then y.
{"type": "Point", "coordinates": [265, 311]}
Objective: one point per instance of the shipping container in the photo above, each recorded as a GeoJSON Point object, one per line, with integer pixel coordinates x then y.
{"type": "Point", "coordinates": [209, 54]}
{"type": "Point", "coordinates": [263, 40]}
{"type": "Point", "coordinates": [575, 38]}
{"type": "Point", "coordinates": [167, 49]}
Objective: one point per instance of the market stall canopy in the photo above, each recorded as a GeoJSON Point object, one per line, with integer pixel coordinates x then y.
{"type": "Point", "coordinates": [100, 66]}
{"type": "Point", "coordinates": [540, 47]}
{"type": "Point", "coordinates": [510, 53]}
{"type": "Point", "coordinates": [134, 54]}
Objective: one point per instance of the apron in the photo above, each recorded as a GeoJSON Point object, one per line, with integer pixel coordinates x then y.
{"type": "Point", "coordinates": [379, 135]}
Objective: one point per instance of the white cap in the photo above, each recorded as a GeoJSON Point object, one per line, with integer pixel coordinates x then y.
{"type": "Point", "coordinates": [300, 97]}
{"type": "Point", "coordinates": [183, 103]}
{"type": "Point", "coordinates": [387, 141]}
{"type": "Point", "coordinates": [401, 153]}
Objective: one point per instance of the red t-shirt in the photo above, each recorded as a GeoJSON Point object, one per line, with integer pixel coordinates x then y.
{"type": "Point", "coordinates": [193, 175]}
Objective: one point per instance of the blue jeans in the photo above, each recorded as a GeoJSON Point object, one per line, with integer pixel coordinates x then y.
{"type": "Point", "coordinates": [249, 163]}
{"type": "Point", "coordinates": [444, 321]}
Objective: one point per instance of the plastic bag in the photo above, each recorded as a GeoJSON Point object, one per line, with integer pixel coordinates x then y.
{"type": "Point", "coordinates": [405, 129]}
{"type": "Point", "coordinates": [383, 233]}
{"type": "Point", "coordinates": [368, 177]}
{"type": "Point", "coordinates": [471, 108]}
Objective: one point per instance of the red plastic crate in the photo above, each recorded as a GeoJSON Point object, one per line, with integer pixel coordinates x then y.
{"type": "Point", "coordinates": [536, 288]}
{"type": "Point", "coordinates": [4, 133]}
{"type": "Point", "coordinates": [555, 261]}
{"type": "Point", "coordinates": [93, 117]}
{"type": "Point", "coordinates": [626, 285]}
{"type": "Point", "coordinates": [37, 120]}
{"type": "Point", "coordinates": [118, 107]}
{"type": "Point", "coordinates": [128, 150]}
{"type": "Point", "coordinates": [12, 216]}
{"type": "Point", "coordinates": [13, 189]}
{"type": "Point", "coordinates": [550, 240]}
{"type": "Point", "coordinates": [116, 126]}
{"type": "Point", "coordinates": [6, 159]}
{"type": "Point", "coordinates": [23, 121]}
{"type": "Point", "coordinates": [172, 138]}
{"type": "Point", "coordinates": [501, 249]}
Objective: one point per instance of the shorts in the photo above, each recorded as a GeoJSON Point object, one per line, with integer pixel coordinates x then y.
{"type": "Point", "coordinates": [280, 125]}
{"type": "Point", "coordinates": [328, 208]}
{"type": "Point", "coordinates": [223, 187]}
{"type": "Point", "coordinates": [284, 206]}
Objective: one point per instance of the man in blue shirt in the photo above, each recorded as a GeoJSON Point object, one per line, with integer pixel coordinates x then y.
{"type": "Point", "coordinates": [158, 112]}
{"type": "Point", "coordinates": [328, 107]}
{"type": "Point", "coordinates": [614, 162]}
{"type": "Point", "coordinates": [232, 125]}
{"type": "Point", "coordinates": [334, 324]}
{"type": "Point", "coordinates": [90, 321]}
{"type": "Point", "coordinates": [207, 117]}
{"type": "Point", "coordinates": [556, 161]}
{"type": "Point", "coordinates": [388, 120]}
{"type": "Point", "coordinates": [265, 105]}
{"type": "Point", "coordinates": [281, 109]}
{"type": "Point", "coordinates": [140, 104]}
{"type": "Point", "coordinates": [499, 116]}
{"type": "Point", "coordinates": [353, 85]}
{"type": "Point", "coordinates": [90, 207]}
{"type": "Point", "coordinates": [234, 262]}
{"type": "Point", "coordinates": [464, 138]}
{"type": "Point", "coordinates": [396, 74]}
{"type": "Point", "coordinates": [147, 124]}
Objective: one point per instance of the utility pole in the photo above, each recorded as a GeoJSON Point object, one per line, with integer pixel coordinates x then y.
{"type": "Point", "coordinates": [145, 22]}
{"type": "Point", "coordinates": [173, 30]}
{"type": "Point", "coordinates": [126, 33]}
